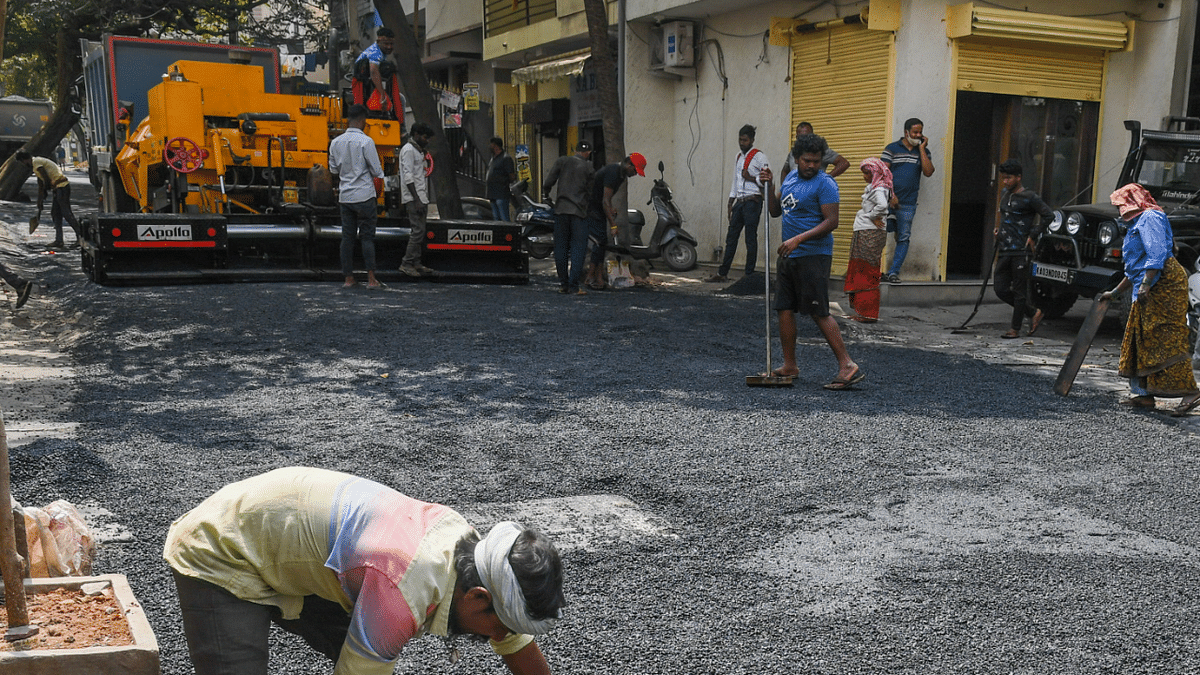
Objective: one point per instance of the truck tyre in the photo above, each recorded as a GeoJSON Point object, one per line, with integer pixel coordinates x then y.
{"type": "Point", "coordinates": [680, 255]}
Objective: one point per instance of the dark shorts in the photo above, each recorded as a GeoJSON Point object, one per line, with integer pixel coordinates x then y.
{"type": "Point", "coordinates": [802, 285]}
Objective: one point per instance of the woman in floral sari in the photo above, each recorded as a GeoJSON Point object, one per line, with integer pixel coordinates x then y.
{"type": "Point", "coordinates": [870, 236]}
{"type": "Point", "coordinates": [1155, 354]}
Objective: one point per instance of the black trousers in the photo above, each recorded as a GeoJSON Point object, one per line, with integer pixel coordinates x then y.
{"type": "Point", "coordinates": [228, 636]}
{"type": "Point", "coordinates": [1012, 273]}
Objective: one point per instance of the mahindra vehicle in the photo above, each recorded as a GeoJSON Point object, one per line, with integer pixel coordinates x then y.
{"type": "Point", "coordinates": [1080, 254]}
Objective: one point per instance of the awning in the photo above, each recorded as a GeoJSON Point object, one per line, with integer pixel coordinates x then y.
{"type": "Point", "coordinates": [969, 20]}
{"type": "Point", "coordinates": [551, 70]}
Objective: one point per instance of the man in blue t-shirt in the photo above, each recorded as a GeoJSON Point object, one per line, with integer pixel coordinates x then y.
{"type": "Point", "coordinates": [909, 159]}
{"type": "Point", "coordinates": [808, 202]}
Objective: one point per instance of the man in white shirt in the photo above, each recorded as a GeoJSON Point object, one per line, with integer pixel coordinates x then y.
{"type": "Point", "coordinates": [745, 204]}
{"type": "Point", "coordinates": [415, 195]}
{"type": "Point", "coordinates": [355, 161]}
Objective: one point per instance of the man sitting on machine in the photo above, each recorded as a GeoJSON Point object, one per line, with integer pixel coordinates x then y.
{"type": "Point", "coordinates": [376, 82]}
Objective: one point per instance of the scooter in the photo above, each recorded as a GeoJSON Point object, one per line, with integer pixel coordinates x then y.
{"type": "Point", "coordinates": [670, 241]}
{"type": "Point", "coordinates": [536, 220]}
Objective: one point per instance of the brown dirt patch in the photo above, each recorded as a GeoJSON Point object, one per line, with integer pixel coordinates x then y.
{"type": "Point", "coordinates": [68, 619]}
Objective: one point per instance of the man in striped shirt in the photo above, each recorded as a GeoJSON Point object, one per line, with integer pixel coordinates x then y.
{"type": "Point", "coordinates": [357, 570]}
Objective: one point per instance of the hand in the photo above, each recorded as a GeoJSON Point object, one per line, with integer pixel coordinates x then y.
{"type": "Point", "coordinates": [1144, 288]}
{"type": "Point", "coordinates": [785, 249]}
{"type": "Point", "coordinates": [924, 141]}
{"type": "Point", "coordinates": [893, 202]}
{"type": "Point", "coordinates": [1106, 295]}
{"type": "Point", "coordinates": [765, 175]}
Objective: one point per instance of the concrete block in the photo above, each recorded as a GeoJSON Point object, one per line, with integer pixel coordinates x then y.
{"type": "Point", "coordinates": [140, 658]}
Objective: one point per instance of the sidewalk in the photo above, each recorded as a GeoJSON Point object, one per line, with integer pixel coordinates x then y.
{"type": "Point", "coordinates": [38, 374]}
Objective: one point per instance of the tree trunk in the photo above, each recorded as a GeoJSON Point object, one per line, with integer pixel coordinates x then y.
{"type": "Point", "coordinates": [606, 80]}
{"type": "Point", "coordinates": [3, 15]}
{"type": "Point", "coordinates": [66, 115]}
{"type": "Point", "coordinates": [614, 121]}
{"type": "Point", "coordinates": [424, 106]}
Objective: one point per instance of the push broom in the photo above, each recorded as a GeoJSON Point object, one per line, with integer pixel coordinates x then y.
{"type": "Point", "coordinates": [769, 379]}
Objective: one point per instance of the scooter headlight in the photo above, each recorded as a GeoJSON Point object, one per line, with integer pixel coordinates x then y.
{"type": "Point", "coordinates": [1057, 223]}
{"type": "Point", "coordinates": [524, 216]}
{"type": "Point", "coordinates": [1074, 222]}
{"type": "Point", "coordinates": [1107, 232]}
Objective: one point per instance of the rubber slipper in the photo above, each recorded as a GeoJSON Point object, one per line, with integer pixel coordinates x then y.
{"type": "Point", "coordinates": [838, 383]}
{"type": "Point", "coordinates": [1138, 402]}
{"type": "Point", "coordinates": [778, 372]}
{"type": "Point", "coordinates": [1185, 408]}
{"type": "Point", "coordinates": [1011, 335]}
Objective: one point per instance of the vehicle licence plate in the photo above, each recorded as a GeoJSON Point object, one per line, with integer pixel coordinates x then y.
{"type": "Point", "coordinates": [1052, 272]}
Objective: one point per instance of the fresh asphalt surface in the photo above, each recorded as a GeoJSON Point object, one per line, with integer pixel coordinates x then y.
{"type": "Point", "coordinates": [948, 516]}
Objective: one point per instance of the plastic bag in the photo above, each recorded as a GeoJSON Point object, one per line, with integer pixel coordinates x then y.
{"type": "Point", "coordinates": [619, 275]}
{"type": "Point", "coordinates": [59, 542]}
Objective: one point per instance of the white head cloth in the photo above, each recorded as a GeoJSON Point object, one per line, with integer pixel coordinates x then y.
{"type": "Point", "coordinates": [491, 560]}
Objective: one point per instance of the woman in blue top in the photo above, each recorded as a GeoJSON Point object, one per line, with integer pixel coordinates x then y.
{"type": "Point", "coordinates": [1155, 354]}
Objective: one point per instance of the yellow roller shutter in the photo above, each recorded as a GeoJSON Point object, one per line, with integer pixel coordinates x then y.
{"type": "Point", "coordinates": [842, 83]}
{"type": "Point", "coordinates": [1029, 69]}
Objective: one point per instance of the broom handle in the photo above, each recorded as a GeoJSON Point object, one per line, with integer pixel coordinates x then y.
{"type": "Point", "coordinates": [767, 262]}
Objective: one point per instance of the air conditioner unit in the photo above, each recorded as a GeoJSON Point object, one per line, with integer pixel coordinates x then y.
{"type": "Point", "coordinates": [678, 48]}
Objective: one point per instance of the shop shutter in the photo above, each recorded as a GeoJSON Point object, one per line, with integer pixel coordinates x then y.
{"type": "Point", "coordinates": [842, 83]}
{"type": "Point", "coordinates": [1029, 69]}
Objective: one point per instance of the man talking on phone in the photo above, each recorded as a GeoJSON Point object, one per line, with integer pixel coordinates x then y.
{"type": "Point", "coordinates": [908, 158]}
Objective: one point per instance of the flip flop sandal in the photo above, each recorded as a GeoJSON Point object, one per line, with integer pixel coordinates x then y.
{"type": "Point", "coordinates": [1185, 408]}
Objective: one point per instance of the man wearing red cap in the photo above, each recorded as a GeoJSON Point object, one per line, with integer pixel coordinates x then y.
{"type": "Point", "coordinates": [601, 211]}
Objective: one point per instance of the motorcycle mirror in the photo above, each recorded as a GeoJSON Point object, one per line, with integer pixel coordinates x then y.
{"type": "Point", "coordinates": [660, 166]}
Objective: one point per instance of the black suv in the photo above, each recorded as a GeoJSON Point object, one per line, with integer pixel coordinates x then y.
{"type": "Point", "coordinates": [1080, 254]}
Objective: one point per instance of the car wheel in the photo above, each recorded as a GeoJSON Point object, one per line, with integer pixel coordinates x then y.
{"type": "Point", "coordinates": [540, 250]}
{"type": "Point", "coordinates": [680, 255]}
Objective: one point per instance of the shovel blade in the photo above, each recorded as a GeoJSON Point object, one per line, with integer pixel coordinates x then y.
{"type": "Point", "coordinates": [33, 224]}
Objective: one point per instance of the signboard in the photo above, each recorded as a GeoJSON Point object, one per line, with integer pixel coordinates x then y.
{"type": "Point", "coordinates": [449, 99]}
{"type": "Point", "coordinates": [471, 96]}
{"type": "Point", "coordinates": [522, 157]}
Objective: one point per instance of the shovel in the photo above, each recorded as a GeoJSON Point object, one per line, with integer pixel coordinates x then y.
{"type": "Point", "coordinates": [768, 380]}
{"type": "Point", "coordinates": [33, 222]}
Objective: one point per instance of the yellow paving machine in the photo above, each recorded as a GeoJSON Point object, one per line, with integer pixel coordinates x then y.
{"type": "Point", "coordinates": [224, 178]}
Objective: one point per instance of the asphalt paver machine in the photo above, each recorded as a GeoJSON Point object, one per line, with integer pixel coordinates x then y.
{"type": "Point", "coordinates": [207, 172]}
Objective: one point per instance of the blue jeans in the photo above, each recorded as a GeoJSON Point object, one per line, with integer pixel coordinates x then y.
{"type": "Point", "coordinates": [570, 248]}
{"type": "Point", "coordinates": [745, 216]}
{"type": "Point", "coordinates": [500, 210]}
{"type": "Point", "coordinates": [598, 238]}
{"type": "Point", "coordinates": [903, 229]}
{"type": "Point", "coordinates": [358, 222]}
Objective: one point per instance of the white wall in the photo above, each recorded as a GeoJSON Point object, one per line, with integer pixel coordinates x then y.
{"type": "Point", "coordinates": [692, 124]}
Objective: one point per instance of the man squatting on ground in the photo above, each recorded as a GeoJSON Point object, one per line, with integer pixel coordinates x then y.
{"type": "Point", "coordinates": [601, 211]}
{"type": "Point", "coordinates": [909, 159]}
{"type": "Point", "coordinates": [415, 196]}
{"type": "Point", "coordinates": [357, 570]}
{"type": "Point", "coordinates": [573, 174]}
{"type": "Point", "coordinates": [355, 161]}
{"type": "Point", "coordinates": [51, 178]}
{"type": "Point", "coordinates": [808, 201]}
{"type": "Point", "coordinates": [745, 204]}
{"type": "Point", "coordinates": [1016, 235]}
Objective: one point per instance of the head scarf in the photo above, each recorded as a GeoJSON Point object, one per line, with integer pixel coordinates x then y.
{"type": "Point", "coordinates": [1131, 198]}
{"type": "Point", "coordinates": [491, 561]}
{"type": "Point", "coordinates": [881, 175]}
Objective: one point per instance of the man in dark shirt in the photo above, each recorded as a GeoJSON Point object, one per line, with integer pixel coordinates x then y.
{"type": "Point", "coordinates": [500, 174]}
{"type": "Point", "coordinates": [602, 213]}
{"type": "Point", "coordinates": [573, 174]}
{"type": "Point", "coordinates": [1016, 234]}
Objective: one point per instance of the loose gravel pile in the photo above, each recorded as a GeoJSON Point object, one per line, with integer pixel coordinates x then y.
{"type": "Point", "coordinates": [946, 517]}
